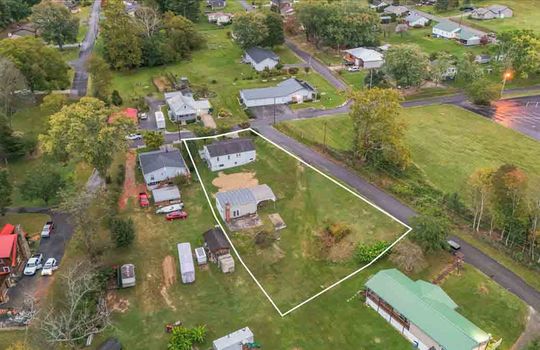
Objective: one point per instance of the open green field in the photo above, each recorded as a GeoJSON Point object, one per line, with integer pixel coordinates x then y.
{"type": "Point", "coordinates": [447, 143]}
{"type": "Point", "coordinates": [31, 223]}
{"type": "Point", "coordinates": [298, 264]}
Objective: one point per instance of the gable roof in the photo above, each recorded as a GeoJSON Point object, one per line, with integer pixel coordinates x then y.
{"type": "Point", "coordinates": [231, 146]}
{"type": "Point", "coordinates": [497, 8]}
{"type": "Point", "coordinates": [428, 307]}
{"type": "Point", "coordinates": [216, 240]}
{"type": "Point", "coordinates": [244, 196]}
{"type": "Point", "coordinates": [413, 17]}
{"type": "Point", "coordinates": [154, 160]}
{"type": "Point", "coordinates": [184, 104]}
{"type": "Point", "coordinates": [396, 9]}
{"type": "Point", "coordinates": [282, 89]}
{"type": "Point", "coordinates": [8, 229]}
{"type": "Point", "coordinates": [259, 54]}
{"type": "Point", "coordinates": [447, 26]}
{"type": "Point", "coordinates": [168, 193]}
{"type": "Point", "coordinates": [467, 34]}
{"type": "Point", "coordinates": [365, 55]}
{"type": "Point", "coordinates": [8, 248]}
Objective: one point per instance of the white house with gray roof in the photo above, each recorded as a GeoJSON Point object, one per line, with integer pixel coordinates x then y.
{"type": "Point", "coordinates": [234, 341]}
{"type": "Point", "coordinates": [161, 166]}
{"type": "Point", "coordinates": [183, 107]}
{"type": "Point", "coordinates": [396, 10]}
{"type": "Point", "coordinates": [260, 58]}
{"type": "Point", "coordinates": [452, 30]}
{"type": "Point", "coordinates": [229, 153]}
{"type": "Point", "coordinates": [238, 203]}
{"type": "Point", "coordinates": [364, 58]}
{"type": "Point", "coordinates": [416, 20]}
{"type": "Point", "coordinates": [492, 12]}
{"type": "Point", "coordinates": [289, 91]}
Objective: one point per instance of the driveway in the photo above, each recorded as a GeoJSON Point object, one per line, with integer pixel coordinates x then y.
{"type": "Point", "coordinates": [52, 247]}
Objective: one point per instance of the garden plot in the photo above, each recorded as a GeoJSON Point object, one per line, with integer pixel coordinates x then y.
{"type": "Point", "coordinates": [324, 224]}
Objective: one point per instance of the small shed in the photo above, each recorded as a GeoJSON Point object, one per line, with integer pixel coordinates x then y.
{"type": "Point", "coordinates": [126, 277]}
{"type": "Point", "coordinates": [166, 195]}
{"type": "Point", "coordinates": [160, 120]}
{"type": "Point", "coordinates": [200, 254]}
{"type": "Point", "coordinates": [234, 341]}
{"type": "Point", "coordinates": [226, 263]}
{"type": "Point", "coordinates": [216, 243]}
{"type": "Point", "coordinates": [187, 268]}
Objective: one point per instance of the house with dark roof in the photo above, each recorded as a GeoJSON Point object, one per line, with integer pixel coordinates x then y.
{"type": "Point", "coordinates": [422, 312]}
{"type": "Point", "coordinates": [288, 91]}
{"type": "Point", "coordinates": [492, 12]}
{"type": "Point", "coordinates": [396, 10]}
{"type": "Point", "coordinates": [242, 202]}
{"type": "Point", "coordinates": [161, 166]}
{"type": "Point", "coordinates": [260, 58]}
{"type": "Point", "coordinates": [216, 4]}
{"type": "Point", "coordinates": [229, 153]}
{"type": "Point", "coordinates": [216, 244]}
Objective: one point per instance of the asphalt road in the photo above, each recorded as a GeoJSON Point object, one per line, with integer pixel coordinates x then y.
{"type": "Point", "coordinates": [80, 79]}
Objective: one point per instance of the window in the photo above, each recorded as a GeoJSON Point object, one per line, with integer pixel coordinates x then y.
{"type": "Point", "coordinates": [5, 269]}
{"type": "Point", "coordinates": [238, 155]}
{"type": "Point", "coordinates": [221, 165]}
{"type": "Point", "coordinates": [228, 157]}
{"type": "Point", "coordinates": [218, 159]}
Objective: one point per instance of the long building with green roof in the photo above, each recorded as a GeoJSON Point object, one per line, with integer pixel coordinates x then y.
{"type": "Point", "coordinates": [423, 313]}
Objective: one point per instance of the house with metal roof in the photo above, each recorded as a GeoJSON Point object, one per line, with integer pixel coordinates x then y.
{"type": "Point", "coordinates": [397, 10]}
{"type": "Point", "coordinates": [187, 267]}
{"type": "Point", "coordinates": [234, 341]}
{"type": "Point", "coordinates": [260, 58]}
{"type": "Point", "coordinates": [229, 153]}
{"type": "Point", "coordinates": [162, 166]}
{"type": "Point", "coordinates": [242, 202]}
{"type": "Point", "coordinates": [166, 195]}
{"type": "Point", "coordinates": [183, 107]}
{"type": "Point", "coordinates": [416, 20]}
{"type": "Point", "coordinates": [365, 58]}
{"type": "Point", "coordinates": [452, 30]}
{"type": "Point", "coordinates": [492, 12]}
{"type": "Point", "coordinates": [422, 312]}
{"type": "Point", "coordinates": [14, 251]}
{"type": "Point", "coordinates": [288, 91]}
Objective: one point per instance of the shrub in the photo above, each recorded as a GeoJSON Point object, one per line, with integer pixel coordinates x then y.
{"type": "Point", "coordinates": [116, 99]}
{"type": "Point", "coordinates": [181, 180]}
{"type": "Point", "coordinates": [365, 253]}
{"type": "Point", "coordinates": [213, 81]}
{"type": "Point", "coordinates": [224, 113]}
{"type": "Point", "coordinates": [293, 70]}
{"type": "Point", "coordinates": [122, 231]}
{"type": "Point", "coordinates": [121, 176]}
{"type": "Point", "coordinates": [244, 125]}
{"type": "Point", "coordinates": [279, 66]}
{"type": "Point", "coordinates": [338, 230]}
{"type": "Point", "coordinates": [202, 131]}
{"type": "Point", "coordinates": [264, 239]}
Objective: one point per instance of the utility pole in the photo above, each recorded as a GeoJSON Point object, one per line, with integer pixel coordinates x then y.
{"type": "Point", "coordinates": [324, 137]}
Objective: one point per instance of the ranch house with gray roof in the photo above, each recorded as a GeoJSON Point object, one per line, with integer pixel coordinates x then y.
{"type": "Point", "coordinates": [289, 91]}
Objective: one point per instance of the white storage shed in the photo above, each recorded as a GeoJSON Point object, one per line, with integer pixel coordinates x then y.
{"type": "Point", "coordinates": [200, 254]}
{"type": "Point", "coordinates": [160, 120]}
{"type": "Point", "coordinates": [235, 340]}
{"type": "Point", "coordinates": [187, 268]}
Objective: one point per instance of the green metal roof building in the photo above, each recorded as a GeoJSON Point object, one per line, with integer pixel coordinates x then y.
{"type": "Point", "coordinates": [423, 313]}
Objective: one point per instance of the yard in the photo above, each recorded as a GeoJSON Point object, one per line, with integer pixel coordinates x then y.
{"type": "Point", "coordinates": [30, 223]}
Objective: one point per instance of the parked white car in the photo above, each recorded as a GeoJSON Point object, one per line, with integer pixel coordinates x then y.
{"type": "Point", "coordinates": [47, 229]}
{"type": "Point", "coordinates": [143, 116]}
{"type": "Point", "coordinates": [353, 69]}
{"type": "Point", "coordinates": [49, 267]}
{"type": "Point", "coordinates": [33, 264]}
{"type": "Point", "coordinates": [134, 137]}
{"type": "Point", "coordinates": [170, 208]}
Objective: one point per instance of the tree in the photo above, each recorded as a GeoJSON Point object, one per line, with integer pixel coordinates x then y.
{"type": "Point", "coordinates": [116, 99]}
{"type": "Point", "coordinates": [12, 145]}
{"type": "Point", "coordinates": [183, 338]}
{"type": "Point", "coordinates": [439, 67]}
{"type": "Point", "coordinates": [181, 37]}
{"type": "Point", "coordinates": [468, 71]}
{"type": "Point", "coordinates": [122, 44]}
{"type": "Point", "coordinates": [406, 64]}
{"type": "Point", "coordinates": [13, 11]}
{"type": "Point", "coordinates": [378, 133]}
{"type": "Point", "coordinates": [533, 345]}
{"type": "Point", "coordinates": [153, 139]}
{"type": "Point", "coordinates": [55, 23]}
{"type": "Point", "coordinates": [376, 78]}
{"type": "Point", "coordinates": [42, 66]}
{"type": "Point", "coordinates": [482, 91]}
{"type": "Point", "coordinates": [519, 51]}
{"type": "Point", "coordinates": [148, 20]}
{"type": "Point", "coordinates": [101, 77]}
{"type": "Point", "coordinates": [430, 231]}
{"type": "Point", "coordinates": [12, 81]}
{"type": "Point", "coordinates": [442, 5]}
{"type": "Point", "coordinates": [52, 103]}
{"type": "Point", "coordinates": [250, 29]}
{"type": "Point", "coordinates": [5, 191]}
{"type": "Point", "coordinates": [81, 131]}
{"type": "Point", "coordinates": [42, 183]}
{"type": "Point", "coordinates": [187, 8]}
{"type": "Point", "coordinates": [274, 26]}
{"type": "Point", "coordinates": [408, 256]}
{"type": "Point", "coordinates": [122, 232]}
{"type": "Point", "coordinates": [402, 28]}
{"type": "Point", "coordinates": [480, 186]}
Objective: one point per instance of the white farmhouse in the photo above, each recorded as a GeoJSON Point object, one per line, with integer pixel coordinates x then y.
{"type": "Point", "coordinates": [416, 20]}
{"type": "Point", "coordinates": [161, 166]}
{"type": "Point", "coordinates": [365, 58]}
{"type": "Point", "coordinates": [235, 340]}
{"type": "Point", "coordinates": [183, 107]}
{"type": "Point", "coordinates": [289, 91]}
{"type": "Point", "coordinates": [229, 153]}
{"type": "Point", "coordinates": [260, 58]}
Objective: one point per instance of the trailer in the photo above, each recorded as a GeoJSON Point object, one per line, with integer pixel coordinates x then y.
{"type": "Point", "coordinates": [160, 120]}
{"type": "Point", "coordinates": [187, 268]}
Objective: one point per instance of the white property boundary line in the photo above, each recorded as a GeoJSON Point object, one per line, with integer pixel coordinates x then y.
{"type": "Point", "coordinates": [282, 314]}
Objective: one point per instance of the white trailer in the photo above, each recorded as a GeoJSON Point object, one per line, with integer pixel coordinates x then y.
{"type": "Point", "coordinates": [187, 268]}
{"type": "Point", "coordinates": [160, 120]}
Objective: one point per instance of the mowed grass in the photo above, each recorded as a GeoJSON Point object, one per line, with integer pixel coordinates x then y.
{"type": "Point", "coordinates": [295, 268]}
{"type": "Point", "coordinates": [31, 223]}
{"type": "Point", "coordinates": [526, 14]}
{"type": "Point", "coordinates": [447, 143]}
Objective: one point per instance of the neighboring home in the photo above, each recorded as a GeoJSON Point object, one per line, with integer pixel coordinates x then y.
{"type": "Point", "coordinates": [365, 58]}
{"type": "Point", "coordinates": [289, 91]}
{"type": "Point", "coordinates": [422, 312]}
{"type": "Point", "coordinates": [452, 30]}
{"type": "Point", "coordinates": [398, 11]}
{"type": "Point", "coordinates": [492, 12]}
{"type": "Point", "coordinates": [285, 6]}
{"type": "Point", "coordinates": [130, 113]}
{"type": "Point", "coordinates": [14, 251]}
{"type": "Point", "coordinates": [378, 5]}
{"type": "Point", "coordinates": [238, 340]}
{"type": "Point", "coordinates": [183, 107]}
{"type": "Point", "coordinates": [450, 73]}
{"type": "Point", "coordinates": [220, 18]}
{"type": "Point", "coordinates": [229, 153]}
{"type": "Point", "coordinates": [131, 7]}
{"type": "Point", "coordinates": [166, 195]}
{"type": "Point", "coordinates": [260, 58]}
{"type": "Point", "coordinates": [242, 202]}
{"type": "Point", "coordinates": [216, 244]}
{"type": "Point", "coordinates": [482, 59]}
{"type": "Point", "coordinates": [416, 20]}
{"type": "Point", "coordinates": [187, 267]}
{"type": "Point", "coordinates": [216, 4]}
{"type": "Point", "coordinates": [162, 166]}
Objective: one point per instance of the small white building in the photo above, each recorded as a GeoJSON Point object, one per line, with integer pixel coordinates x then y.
{"type": "Point", "coordinates": [187, 268]}
{"type": "Point", "coordinates": [161, 166]}
{"type": "Point", "coordinates": [220, 18]}
{"type": "Point", "coordinates": [289, 91]}
{"type": "Point", "coordinates": [229, 153]}
{"type": "Point", "coordinates": [200, 254]}
{"type": "Point", "coordinates": [166, 195]}
{"type": "Point", "coordinates": [235, 340]}
{"type": "Point", "coordinates": [160, 120]}
{"type": "Point", "coordinates": [260, 58]}
{"type": "Point", "coordinates": [446, 29]}
{"type": "Point", "coordinates": [237, 203]}
{"type": "Point", "coordinates": [365, 58]}
{"type": "Point", "coordinates": [416, 20]}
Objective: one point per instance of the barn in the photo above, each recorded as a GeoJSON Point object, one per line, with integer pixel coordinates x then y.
{"type": "Point", "coordinates": [237, 203]}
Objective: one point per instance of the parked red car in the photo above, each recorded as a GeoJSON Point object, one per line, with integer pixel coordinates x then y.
{"type": "Point", "coordinates": [143, 200]}
{"type": "Point", "coordinates": [176, 215]}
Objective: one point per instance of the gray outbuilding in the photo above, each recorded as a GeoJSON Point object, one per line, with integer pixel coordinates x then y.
{"type": "Point", "coordinates": [234, 341]}
{"type": "Point", "coordinates": [242, 202]}
{"type": "Point", "coordinates": [187, 268]}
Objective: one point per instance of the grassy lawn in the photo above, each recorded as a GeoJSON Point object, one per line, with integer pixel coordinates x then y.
{"type": "Point", "coordinates": [526, 14]}
{"type": "Point", "coordinates": [83, 16]}
{"type": "Point", "coordinates": [31, 223]}
{"type": "Point", "coordinates": [295, 267]}
{"type": "Point", "coordinates": [354, 79]}
{"type": "Point", "coordinates": [329, 96]}
{"type": "Point", "coordinates": [326, 55]}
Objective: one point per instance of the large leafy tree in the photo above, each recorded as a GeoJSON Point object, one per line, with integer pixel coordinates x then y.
{"type": "Point", "coordinates": [429, 231]}
{"type": "Point", "coordinates": [274, 25]}
{"type": "Point", "coordinates": [407, 65]}
{"type": "Point", "coordinates": [81, 131]}
{"type": "Point", "coordinates": [12, 146]}
{"type": "Point", "coordinates": [482, 91]}
{"type": "Point", "coordinates": [101, 77]}
{"type": "Point", "coordinates": [250, 29]}
{"type": "Point", "coordinates": [5, 191]}
{"type": "Point", "coordinates": [12, 81]}
{"type": "Point", "coordinates": [42, 183]}
{"type": "Point", "coordinates": [408, 256]}
{"type": "Point", "coordinates": [181, 36]}
{"type": "Point", "coordinates": [13, 11]}
{"type": "Point", "coordinates": [480, 187]}
{"type": "Point", "coordinates": [190, 9]}
{"type": "Point", "coordinates": [378, 132]}
{"type": "Point", "coordinates": [55, 23]}
{"type": "Point", "coordinates": [42, 66]}
{"type": "Point", "coordinates": [519, 51]}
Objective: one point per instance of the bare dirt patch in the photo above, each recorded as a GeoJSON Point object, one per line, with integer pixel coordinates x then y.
{"type": "Point", "coordinates": [169, 278]}
{"type": "Point", "coordinates": [162, 84]}
{"type": "Point", "coordinates": [227, 182]}
{"type": "Point", "coordinates": [115, 303]}
{"type": "Point", "coordinates": [131, 188]}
